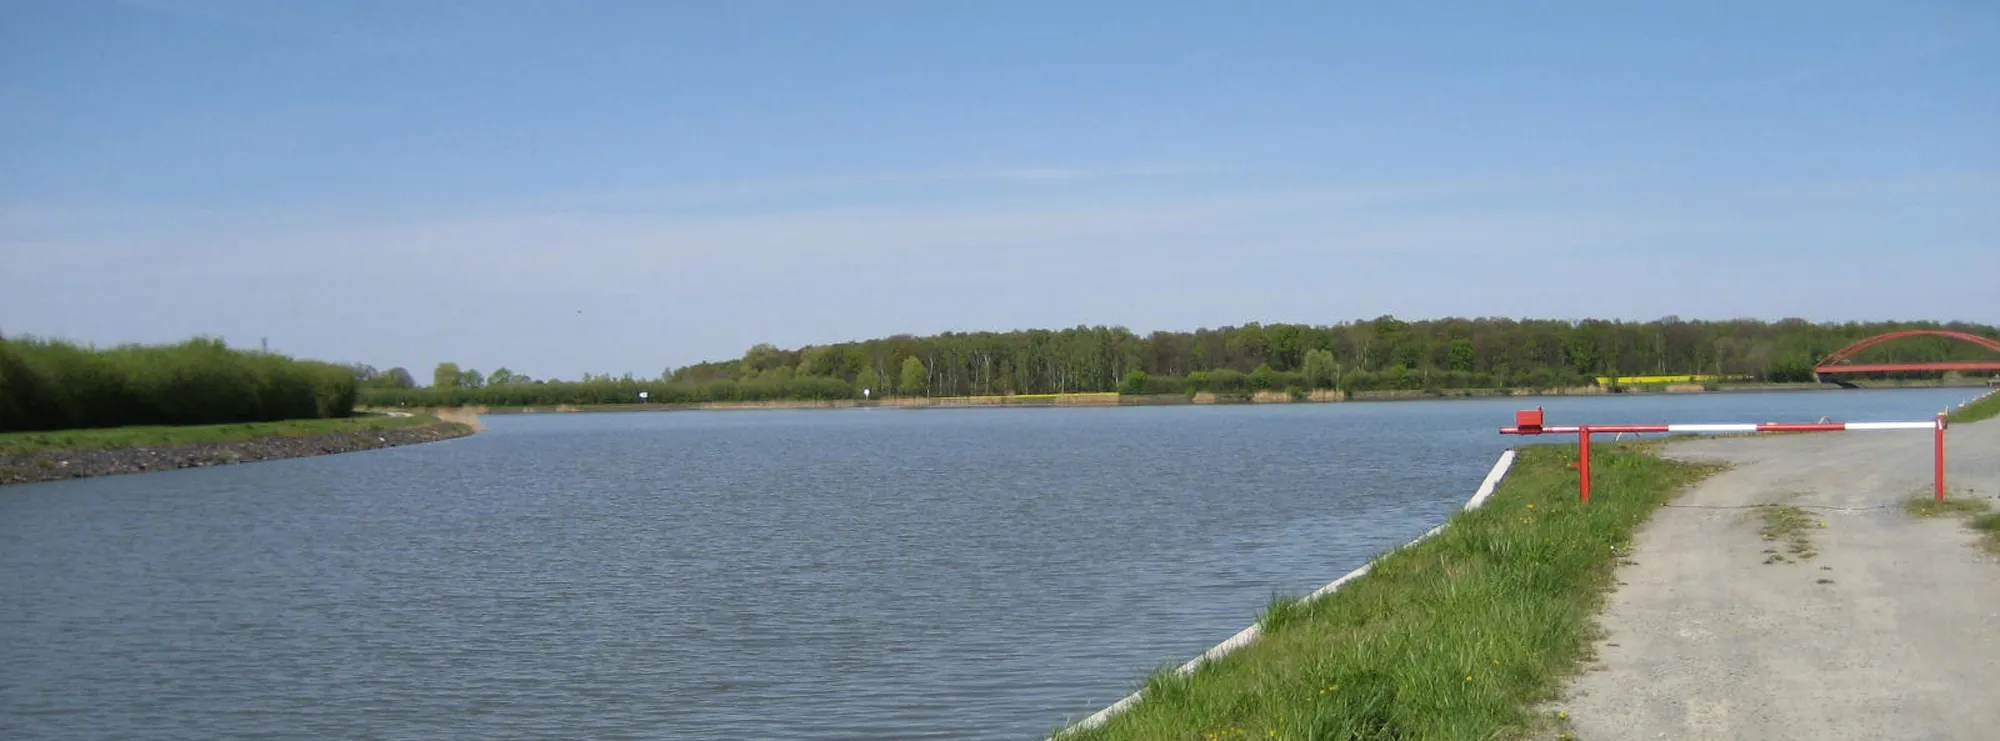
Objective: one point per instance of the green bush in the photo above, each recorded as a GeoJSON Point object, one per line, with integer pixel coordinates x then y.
{"type": "Point", "coordinates": [1167, 385]}
{"type": "Point", "coordinates": [1263, 378]}
{"type": "Point", "coordinates": [1226, 381]}
{"type": "Point", "coordinates": [1134, 384]}
{"type": "Point", "coordinates": [53, 385]}
{"type": "Point", "coordinates": [1197, 382]}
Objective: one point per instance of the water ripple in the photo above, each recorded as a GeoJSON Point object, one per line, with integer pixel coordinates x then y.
{"type": "Point", "coordinates": [979, 574]}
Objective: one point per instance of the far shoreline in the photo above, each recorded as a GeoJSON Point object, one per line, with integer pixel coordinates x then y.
{"type": "Point", "coordinates": [1113, 399]}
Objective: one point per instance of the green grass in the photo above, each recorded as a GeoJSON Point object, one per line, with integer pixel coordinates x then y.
{"type": "Point", "coordinates": [117, 438]}
{"type": "Point", "coordinates": [1988, 526]}
{"type": "Point", "coordinates": [1986, 523]}
{"type": "Point", "coordinates": [1985, 407]}
{"type": "Point", "coordinates": [1791, 527]}
{"type": "Point", "coordinates": [1927, 505]}
{"type": "Point", "coordinates": [1455, 638]}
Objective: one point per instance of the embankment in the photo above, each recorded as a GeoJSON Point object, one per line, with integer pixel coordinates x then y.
{"type": "Point", "coordinates": [1985, 407]}
{"type": "Point", "coordinates": [28, 459]}
{"type": "Point", "coordinates": [1453, 636]}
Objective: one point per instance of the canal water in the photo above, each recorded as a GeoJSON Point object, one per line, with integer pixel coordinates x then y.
{"type": "Point", "coordinates": [808, 575]}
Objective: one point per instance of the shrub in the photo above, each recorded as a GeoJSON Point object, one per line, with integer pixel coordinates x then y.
{"type": "Point", "coordinates": [53, 385]}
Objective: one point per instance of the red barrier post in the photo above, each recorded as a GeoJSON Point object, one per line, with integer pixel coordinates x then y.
{"type": "Point", "coordinates": [1530, 422]}
{"type": "Point", "coordinates": [1583, 462]}
{"type": "Point", "coordinates": [1940, 456]}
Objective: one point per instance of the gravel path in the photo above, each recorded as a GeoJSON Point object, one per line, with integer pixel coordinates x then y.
{"type": "Point", "coordinates": [1889, 630]}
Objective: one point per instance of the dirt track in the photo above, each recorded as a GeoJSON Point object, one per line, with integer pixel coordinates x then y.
{"type": "Point", "coordinates": [1891, 630]}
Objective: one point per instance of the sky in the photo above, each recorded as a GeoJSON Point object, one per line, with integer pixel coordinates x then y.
{"type": "Point", "coordinates": [612, 187]}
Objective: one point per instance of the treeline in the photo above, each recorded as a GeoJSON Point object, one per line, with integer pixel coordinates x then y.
{"type": "Point", "coordinates": [605, 390]}
{"type": "Point", "coordinates": [1385, 353]}
{"type": "Point", "coordinates": [53, 385]}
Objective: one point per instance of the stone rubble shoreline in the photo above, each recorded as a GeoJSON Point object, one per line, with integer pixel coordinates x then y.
{"type": "Point", "coordinates": [56, 465]}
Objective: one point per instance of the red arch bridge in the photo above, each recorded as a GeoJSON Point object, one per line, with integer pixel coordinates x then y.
{"type": "Point", "coordinates": [1840, 362]}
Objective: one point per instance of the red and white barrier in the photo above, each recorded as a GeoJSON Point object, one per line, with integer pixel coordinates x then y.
{"type": "Point", "coordinates": [1726, 428]}
{"type": "Point", "coordinates": [1529, 422]}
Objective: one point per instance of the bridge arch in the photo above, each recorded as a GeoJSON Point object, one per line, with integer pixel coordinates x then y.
{"type": "Point", "coordinates": [1836, 362]}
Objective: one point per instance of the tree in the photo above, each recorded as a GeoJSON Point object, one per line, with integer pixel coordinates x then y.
{"type": "Point", "coordinates": [471, 379]}
{"type": "Point", "coordinates": [397, 378]}
{"type": "Point", "coordinates": [1287, 342]}
{"type": "Point", "coordinates": [1263, 378]}
{"type": "Point", "coordinates": [816, 361]}
{"type": "Point", "coordinates": [1368, 354]}
{"type": "Point", "coordinates": [1134, 384]}
{"type": "Point", "coordinates": [868, 380]}
{"type": "Point", "coordinates": [1321, 370]}
{"type": "Point", "coordinates": [446, 376]}
{"type": "Point", "coordinates": [761, 357]}
{"type": "Point", "coordinates": [1460, 357]}
{"type": "Point", "coordinates": [1251, 344]}
{"type": "Point", "coordinates": [914, 376]}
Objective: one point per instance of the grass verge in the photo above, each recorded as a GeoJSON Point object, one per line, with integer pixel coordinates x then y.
{"type": "Point", "coordinates": [1984, 407]}
{"type": "Point", "coordinates": [1792, 527]}
{"type": "Point", "coordinates": [1987, 524]}
{"type": "Point", "coordinates": [1927, 505]}
{"type": "Point", "coordinates": [1455, 638]}
{"type": "Point", "coordinates": [119, 438]}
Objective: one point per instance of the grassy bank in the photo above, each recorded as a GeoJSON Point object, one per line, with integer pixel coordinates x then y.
{"type": "Point", "coordinates": [120, 438]}
{"type": "Point", "coordinates": [1455, 638]}
{"type": "Point", "coordinates": [1978, 515]}
{"type": "Point", "coordinates": [1985, 407]}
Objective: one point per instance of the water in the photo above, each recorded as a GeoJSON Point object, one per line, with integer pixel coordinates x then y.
{"type": "Point", "coordinates": [862, 574]}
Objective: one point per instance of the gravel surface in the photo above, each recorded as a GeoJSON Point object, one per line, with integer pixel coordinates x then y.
{"type": "Point", "coordinates": [1879, 626]}
{"type": "Point", "coordinates": [54, 465]}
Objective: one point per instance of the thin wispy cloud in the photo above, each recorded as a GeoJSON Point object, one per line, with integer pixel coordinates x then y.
{"type": "Point", "coordinates": [725, 192]}
{"type": "Point", "coordinates": [583, 250]}
{"type": "Point", "coordinates": [1955, 184]}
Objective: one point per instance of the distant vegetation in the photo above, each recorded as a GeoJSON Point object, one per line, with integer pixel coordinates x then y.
{"type": "Point", "coordinates": [1375, 355]}
{"type": "Point", "coordinates": [51, 385]}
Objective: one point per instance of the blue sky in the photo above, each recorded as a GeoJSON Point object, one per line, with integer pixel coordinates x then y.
{"type": "Point", "coordinates": [579, 187]}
